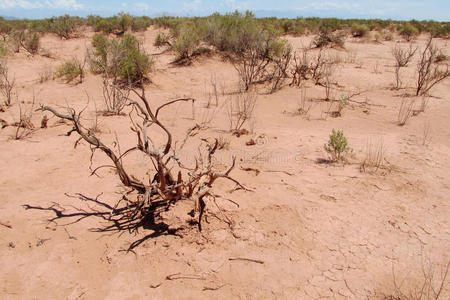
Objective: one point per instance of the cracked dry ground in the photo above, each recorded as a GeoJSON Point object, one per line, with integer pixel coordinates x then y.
{"type": "Point", "coordinates": [308, 230]}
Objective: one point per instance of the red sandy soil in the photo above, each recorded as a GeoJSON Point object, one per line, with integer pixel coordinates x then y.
{"type": "Point", "coordinates": [309, 230]}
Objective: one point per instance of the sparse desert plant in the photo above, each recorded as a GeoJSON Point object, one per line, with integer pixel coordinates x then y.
{"type": "Point", "coordinates": [405, 111]}
{"type": "Point", "coordinates": [304, 104]}
{"type": "Point", "coordinates": [114, 97]}
{"type": "Point", "coordinates": [423, 104]}
{"type": "Point", "coordinates": [408, 31]}
{"type": "Point", "coordinates": [174, 185]}
{"type": "Point", "coordinates": [162, 39]}
{"type": "Point", "coordinates": [402, 58]}
{"type": "Point", "coordinates": [223, 143]}
{"type": "Point", "coordinates": [30, 41]}
{"type": "Point", "coordinates": [186, 43]}
{"type": "Point", "coordinates": [45, 75]}
{"type": "Point", "coordinates": [6, 82]}
{"type": "Point", "coordinates": [328, 71]}
{"type": "Point", "coordinates": [122, 59]}
{"type": "Point", "coordinates": [322, 67]}
{"type": "Point", "coordinates": [71, 70]}
{"type": "Point", "coordinates": [14, 40]}
{"type": "Point", "coordinates": [24, 127]}
{"type": "Point", "coordinates": [301, 69]}
{"type": "Point", "coordinates": [430, 284]}
{"type": "Point", "coordinates": [280, 65]}
{"type": "Point", "coordinates": [3, 49]}
{"type": "Point", "coordinates": [359, 30]}
{"type": "Point", "coordinates": [337, 146]}
{"type": "Point", "coordinates": [63, 26]}
{"type": "Point", "coordinates": [426, 133]}
{"type": "Point", "coordinates": [240, 109]}
{"type": "Point", "coordinates": [374, 156]}
{"type": "Point", "coordinates": [329, 39]}
{"type": "Point", "coordinates": [264, 52]}
{"type": "Point", "coordinates": [429, 72]}
{"type": "Point", "coordinates": [341, 104]}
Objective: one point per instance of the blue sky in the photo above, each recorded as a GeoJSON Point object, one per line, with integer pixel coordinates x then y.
{"type": "Point", "coordinates": [384, 9]}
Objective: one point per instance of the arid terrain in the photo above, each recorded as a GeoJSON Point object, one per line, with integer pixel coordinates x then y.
{"type": "Point", "coordinates": [307, 229]}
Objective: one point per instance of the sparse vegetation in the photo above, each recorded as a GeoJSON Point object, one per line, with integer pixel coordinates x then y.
{"type": "Point", "coordinates": [30, 41]}
{"type": "Point", "coordinates": [71, 70]}
{"type": "Point", "coordinates": [240, 109]}
{"type": "Point", "coordinates": [405, 111]}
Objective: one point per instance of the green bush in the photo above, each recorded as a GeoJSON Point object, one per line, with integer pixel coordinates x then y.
{"type": "Point", "coordinates": [121, 58]}
{"type": "Point", "coordinates": [140, 24]}
{"type": "Point", "coordinates": [337, 146]}
{"type": "Point", "coordinates": [326, 39]}
{"type": "Point", "coordinates": [63, 26]}
{"type": "Point", "coordinates": [408, 31]}
{"type": "Point", "coordinates": [161, 40]}
{"type": "Point", "coordinates": [70, 70]}
{"type": "Point", "coordinates": [186, 43]}
{"type": "Point", "coordinates": [359, 30]}
{"type": "Point", "coordinates": [3, 49]}
{"type": "Point", "coordinates": [30, 41]}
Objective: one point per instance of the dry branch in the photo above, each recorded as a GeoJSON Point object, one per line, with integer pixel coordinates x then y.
{"type": "Point", "coordinates": [169, 181]}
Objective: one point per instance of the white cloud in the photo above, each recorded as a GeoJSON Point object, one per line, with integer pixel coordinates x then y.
{"type": "Point", "coordinates": [64, 4]}
{"type": "Point", "coordinates": [54, 4]}
{"type": "Point", "coordinates": [193, 5]}
{"type": "Point", "coordinates": [141, 6]}
{"type": "Point", "coordinates": [5, 4]}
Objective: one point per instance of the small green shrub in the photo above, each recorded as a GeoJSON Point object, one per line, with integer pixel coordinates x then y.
{"type": "Point", "coordinates": [70, 70]}
{"type": "Point", "coordinates": [337, 146]}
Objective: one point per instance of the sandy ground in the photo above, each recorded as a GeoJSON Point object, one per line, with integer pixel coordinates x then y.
{"type": "Point", "coordinates": [308, 231]}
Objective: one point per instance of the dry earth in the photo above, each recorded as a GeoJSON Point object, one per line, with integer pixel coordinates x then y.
{"type": "Point", "coordinates": [309, 230]}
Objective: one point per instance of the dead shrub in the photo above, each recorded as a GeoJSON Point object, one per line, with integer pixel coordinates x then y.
{"type": "Point", "coordinates": [430, 73]}
{"type": "Point", "coordinates": [431, 284]}
{"type": "Point", "coordinates": [114, 97]}
{"type": "Point", "coordinates": [402, 58]}
{"type": "Point", "coordinates": [6, 82]}
{"type": "Point", "coordinates": [240, 109]}
{"type": "Point", "coordinates": [301, 70]}
{"type": "Point", "coordinates": [175, 189]}
{"type": "Point", "coordinates": [24, 127]}
{"type": "Point", "coordinates": [405, 111]}
{"type": "Point", "coordinates": [374, 156]}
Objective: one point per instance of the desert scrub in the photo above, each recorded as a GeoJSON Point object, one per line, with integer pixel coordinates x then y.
{"type": "Point", "coordinates": [337, 146]}
{"type": "Point", "coordinates": [121, 58]}
{"type": "Point", "coordinates": [70, 70]}
{"type": "Point", "coordinates": [408, 31]}
{"type": "Point", "coordinates": [329, 39]}
{"type": "Point", "coordinates": [63, 26]}
{"type": "Point", "coordinates": [359, 30]}
{"type": "Point", "coordinates": [30, 41]}
{"type": "Point", "coordinates": [161, 40]}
